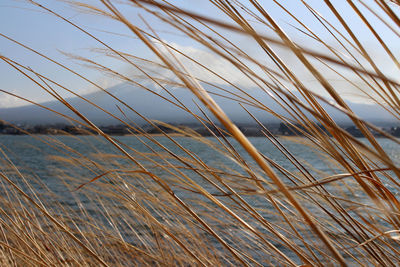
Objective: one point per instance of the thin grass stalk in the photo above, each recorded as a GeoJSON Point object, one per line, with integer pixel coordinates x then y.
{"type": "Point", "coordinates": [214, 108]}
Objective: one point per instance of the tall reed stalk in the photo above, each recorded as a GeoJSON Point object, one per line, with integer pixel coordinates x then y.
{"type": "Point", "coordinates": [166, 204]}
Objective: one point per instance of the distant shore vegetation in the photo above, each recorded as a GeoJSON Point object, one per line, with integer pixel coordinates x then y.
{"type": "Point", "coordinates": [170, 128]}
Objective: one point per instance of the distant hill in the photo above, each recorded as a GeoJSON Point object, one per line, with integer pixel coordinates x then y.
{"type": "Point", "coordinates": [156, 108]}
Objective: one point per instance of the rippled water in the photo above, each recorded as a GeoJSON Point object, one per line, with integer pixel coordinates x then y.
{"type": "Point", "coordinates": [32, 153]}
{"type": "Point", "coordinates": [36, 155]}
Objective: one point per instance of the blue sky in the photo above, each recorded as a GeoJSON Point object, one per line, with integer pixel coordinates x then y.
{"type": "Point", "coordinates": [50, 35]}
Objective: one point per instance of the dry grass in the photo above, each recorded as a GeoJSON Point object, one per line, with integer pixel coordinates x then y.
{"type": "Point", "coordinates": [167, 205]}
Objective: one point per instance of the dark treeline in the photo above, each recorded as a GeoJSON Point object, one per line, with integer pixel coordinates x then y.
{"type": "Point", "coordinates": [248, 130]}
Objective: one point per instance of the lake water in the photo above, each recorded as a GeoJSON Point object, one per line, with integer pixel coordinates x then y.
{"type": "Point", "coordinates": [50, 157]}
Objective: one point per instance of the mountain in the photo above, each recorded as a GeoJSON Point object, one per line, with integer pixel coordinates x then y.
{"type": "Point", "coordinates": [156, 108]}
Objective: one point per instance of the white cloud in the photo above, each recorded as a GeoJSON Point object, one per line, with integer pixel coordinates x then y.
{"type": "Point", "coordinates": [212, 61]}
{"type": "Point", "coordinates": [7, 101]}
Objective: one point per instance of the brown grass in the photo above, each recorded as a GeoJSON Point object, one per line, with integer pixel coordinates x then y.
{"type": "Point", "coordinates": [168, 205]}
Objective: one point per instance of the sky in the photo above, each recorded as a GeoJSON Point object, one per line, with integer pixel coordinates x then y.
{"type": "Point", "coordinates": [53, 37]}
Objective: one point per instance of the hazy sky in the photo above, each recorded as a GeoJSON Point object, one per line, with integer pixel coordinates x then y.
{"type": "Point", "coordinates": [50, 35]}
